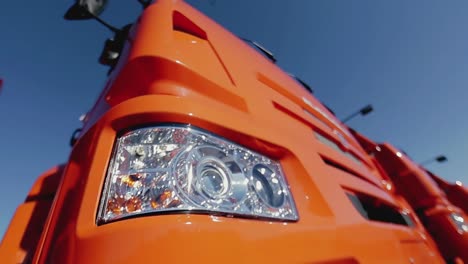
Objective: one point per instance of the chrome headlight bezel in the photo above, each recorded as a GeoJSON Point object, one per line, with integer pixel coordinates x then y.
{"type": "Point", "coordinates": [180, 168]}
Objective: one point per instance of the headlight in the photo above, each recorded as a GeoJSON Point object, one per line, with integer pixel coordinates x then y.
{"type": "Point", "coordinates": [164, 169]}
{"type": "Point", "coordinates": [460, 222]}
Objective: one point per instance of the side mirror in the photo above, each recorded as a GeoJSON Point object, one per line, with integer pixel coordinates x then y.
{"type": "Point", "coordinates": [85, 9]}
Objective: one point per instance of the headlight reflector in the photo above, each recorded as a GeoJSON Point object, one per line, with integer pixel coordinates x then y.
{"type": "Point", "coordinates": [167, 168]}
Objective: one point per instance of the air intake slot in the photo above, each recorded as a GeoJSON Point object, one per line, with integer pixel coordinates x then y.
{"type": "Point", "coordinates": [183, 24]}
{"type": "Point", "coordinates": [374, 209]}
{"type": "Point", "coordinates": [338, 166]}
{"type": "Point", "coordinates": [323, 139]}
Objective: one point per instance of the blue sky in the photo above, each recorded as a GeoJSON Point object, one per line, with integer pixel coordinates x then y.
{"type": "Point", "coordinates": [408, 58]}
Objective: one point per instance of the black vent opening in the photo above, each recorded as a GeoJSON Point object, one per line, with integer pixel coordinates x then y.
{"type": "Point", "coordinates": [374, 209]}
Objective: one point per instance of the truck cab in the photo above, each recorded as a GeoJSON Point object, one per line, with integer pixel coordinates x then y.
{"type": "Point", "coordinates": [439, 205]}
{"type": "Point", "coordinates": [200, 149]}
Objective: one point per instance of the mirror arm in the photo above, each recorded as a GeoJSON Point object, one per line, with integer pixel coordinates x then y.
{"type": "Point", "coordinates": [104, 23]}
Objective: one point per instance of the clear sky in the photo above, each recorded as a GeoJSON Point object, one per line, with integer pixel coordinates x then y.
{"type": "Point", "coordinates": [408, 58]}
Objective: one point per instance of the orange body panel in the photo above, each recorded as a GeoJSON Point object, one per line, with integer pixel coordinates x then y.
{"type": "Point", "coordinates": [456, 193]}
{"type": "Point", "coordinates": [179, 67]}
{"type": "Point", "coordinates": [21, 239]}
{"type": "Point", "coordinates": [426, 193]}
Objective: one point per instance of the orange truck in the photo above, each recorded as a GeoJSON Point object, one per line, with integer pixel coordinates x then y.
{"type": "Point", "coordinates": [456, 193]}
{"type": "Point", "coordinates": [201, 150]}
{"type": "Point", "coordinates": [441, 206]}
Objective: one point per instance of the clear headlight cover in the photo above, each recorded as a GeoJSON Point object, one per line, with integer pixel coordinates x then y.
{"type": "Point", "coordinates": [168, 168]}
{"type": "Point", "coordinates": [460, 222]}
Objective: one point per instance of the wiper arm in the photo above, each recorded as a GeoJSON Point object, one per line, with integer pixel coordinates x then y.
{"type": "Point", "coordinates": [265, 51]}
{"type": "Point", "coordinates": [304, 84]}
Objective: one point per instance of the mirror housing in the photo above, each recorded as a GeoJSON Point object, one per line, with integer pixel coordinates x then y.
{"type": "Point", "coordinates": [113, 47]}
{"type": "Point", "coordinates": [85, 9]}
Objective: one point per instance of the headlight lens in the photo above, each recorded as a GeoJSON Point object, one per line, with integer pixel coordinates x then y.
{"type": "Point", "coordinates": [162, 169]}
{"type": "Point", "coordinates": [460, 222]}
